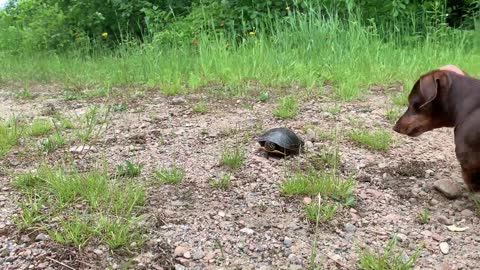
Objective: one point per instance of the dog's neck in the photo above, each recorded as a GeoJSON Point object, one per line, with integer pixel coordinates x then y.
{"type": "Point", "coordinates": [462, 99]}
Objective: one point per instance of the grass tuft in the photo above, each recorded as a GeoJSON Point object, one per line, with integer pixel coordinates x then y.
{"type": "Point", "coordinates": [232, 157]}
{"type": "Point", "coordinates": [378, 140]}
{"type": "Point", "coordinates": [287, 107]}
{"type": "Point", "coordinates": [390, 259]}
{"type": "Point", "coordinates": [325, 184]}
{"type": "Point", "coordinates": [81, 207]}
{"type": "Point", "coordinates": [40, 127]}
{"type": "Point", "coordinates": [423, 216]}
{"type": "Point", "coordinates": [323, 212]}
{"type": "Point", "coordinates": [10, 133]}
{"type": "Point", "coordinates": [222, 182]}
{"type": "Point", "coordinates": [200, 108]}
{"type": "Point", "coordinates": [173, 175]}
{"type": "Point", "coordinates": [130, 169]}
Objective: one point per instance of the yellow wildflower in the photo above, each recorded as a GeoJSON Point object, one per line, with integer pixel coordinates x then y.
{"type": "Point", "coordinates": [104, 34]}
{"type": "Point", "coordinates": [251, 33]}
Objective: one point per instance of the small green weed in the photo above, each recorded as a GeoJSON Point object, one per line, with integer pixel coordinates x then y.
{"type": "Point", "coordinates": [76, 230]}
{"type": "Point", "coordinates": [423, 216]}
{"type": "Point", "coordinates": [130, 169]}
{"type": "Point", "coordinates": [392, 114]}
{"type": "Point", "coordinates": [69, 94]}
{"type": "Point", "coordinates": [31, 211]}
{"type": "Point", "coordinates": [476, 202]}
{"type": "Point", "coordinates": [312, 182]}
{"type": "Point", "coordinates": [24, 94]}
{"type": "Point", "coordinates": [264, 96]}
{"type": "Point", "coordinates": [221, 182]}
{"type": "Point", "coordinates": [232, 158]}
{"type": "Point", "coordinates": [287, 107]}
{"type": "Point", "coordinates": [173, 175]}
{"type": "Point", "coordinates": [334, 110]}
{"type": "Point", "coordinates": [97, 92]}
{"type": "Point", "coordinates": [122, 107]}
{"type": "Point", "coordinates": [322, 212]}
{"type": "Point", "coordinates": [53, 142]}
{"type": "Point", "coordinates": [10, 133]}
{"type": "Point", "coordinates": [326, 159]}
{"type": "Point", "coordinates": [379, 140]}
{"type": "Point", "coordinates": [390, 259]}
{"type": "Point", "coordinates": [40, 127]}
{"type": "Point", "coordinates": [200, 107]}
{"type": "Point", "coordinates": [91, 123]}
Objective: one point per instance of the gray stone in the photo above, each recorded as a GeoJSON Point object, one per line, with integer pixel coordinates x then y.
{"type": "Point", "coordinates": [467, 213]}
{"type": "Point", "coordinates": [448, 188]}
{"type": "Point", "coordinates": [178, 100]}
{"type": "Point", "coordinates": [350, 228]}
{"type": "Point", "coordinates": [41, 237]}
{"type": "Point", "coordinates": [247, 230]}
{"type": "Point", "coordinates": [444, 220]}
{"type": "Point", "coordinates": [287, 241]}
{"type": "Point", "coordinates": [180, 267]}
{"type": "Point", "coordinates": [198, 255]}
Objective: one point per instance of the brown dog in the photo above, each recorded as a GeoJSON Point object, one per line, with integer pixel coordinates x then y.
{"type": "Point", "coordinates": [446, 98]}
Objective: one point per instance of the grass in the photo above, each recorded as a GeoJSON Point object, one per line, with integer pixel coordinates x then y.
{"type": "Point", "coordinates": [393, 113]}
{"type": "Point", "coordinates": [40, 127]}
{"type": "Point", "coordinates": [264, 96]}
{"type": "Point", "coordinates": [75, 208]}
{"type": "Point", "coordinates": [323, 183]}
{"type": "Point", "coordinates": [287, 107]}
{"type": "Point", "coordinates": [379, 140]}
{"type": "Point", "coordinates": [129, 169]}
{"type": "Point", "coordinates": [222, 182]}
{"type": "Point", "coordinates": [306, 51]}
{"type": "Point", "coordinates": [10, 133]}
{"type": "Point", "coordinates": [173, 175]}
{"type": "Point", "coordinates": [423, 216]}
{"type": "Point", "coordinates": [232, 158]}
{"type": "Point", "coordinates": [391, 259]}
{"type": "Point", "coordinates": [92, 123]}
{"type": "Point", "coordinates": [53, 142]}
{"type": "Point", "coordinates": [200, 107]}
{"type": "Point", "coordinates": [24, 94]}
{"type": "Point", "coordinates": [323, 212]}
{"type": "Point", "coordinates": [326, 159]}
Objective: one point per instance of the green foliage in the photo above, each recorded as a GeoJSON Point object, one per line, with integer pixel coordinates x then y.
{"type": "Point", "coordinates": [60, 25]}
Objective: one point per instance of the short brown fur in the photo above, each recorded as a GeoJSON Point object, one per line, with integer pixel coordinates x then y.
{"type": "Point", "coordinates": [445, 97]}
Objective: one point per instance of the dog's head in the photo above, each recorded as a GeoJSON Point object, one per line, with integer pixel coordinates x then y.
{"type": "Point", "coordinates": [425, 105]}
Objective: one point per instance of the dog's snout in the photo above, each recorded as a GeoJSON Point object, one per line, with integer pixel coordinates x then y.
{"type": "Point", "coordinates": [396, 128]}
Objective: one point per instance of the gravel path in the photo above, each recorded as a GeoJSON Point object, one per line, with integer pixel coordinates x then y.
{"type": "Point", "coordinates": [251, 225]}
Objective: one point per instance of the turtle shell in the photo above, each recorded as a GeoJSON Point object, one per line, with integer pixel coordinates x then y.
{"type": "Point", "coordinates": [284, 140]}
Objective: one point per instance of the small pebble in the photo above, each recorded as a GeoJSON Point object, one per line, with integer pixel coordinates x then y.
{"type": "Point", "coordinates": [444, 247]}
{"type": "Point", "coordinates": [287, 241]}
{"type": "Point", "coordinates": [247, 230]}
{"type": "Point", "coordinates": [41, 237]}
{"type": "Point", "coordinates": [467, 213]}
{"type": "Point", "coordinates": [350, 228]}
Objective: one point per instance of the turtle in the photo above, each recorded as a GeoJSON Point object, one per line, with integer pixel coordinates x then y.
{"type": "Point", "coordinates": [282, 141]}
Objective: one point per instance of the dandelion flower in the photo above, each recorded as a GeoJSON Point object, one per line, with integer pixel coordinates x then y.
{"type": "Point", "coordinates": [251, 33]}
{"type": "Point", "coordinates": [104, 34]}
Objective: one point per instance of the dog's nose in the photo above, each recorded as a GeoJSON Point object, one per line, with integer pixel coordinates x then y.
{"type": "Point", "coordinates": [396, 128]}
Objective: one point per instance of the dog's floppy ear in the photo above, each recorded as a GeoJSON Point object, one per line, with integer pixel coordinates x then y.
{"type": "Point", "coordinates": [430, 85]}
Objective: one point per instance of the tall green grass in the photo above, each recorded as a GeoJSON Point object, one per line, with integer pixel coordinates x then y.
{"type": "Point", "coordinates": [307, 50]}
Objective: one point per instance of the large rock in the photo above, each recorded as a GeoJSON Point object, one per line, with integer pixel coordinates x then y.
{"type": "Point", "coordinates": [448, 188]}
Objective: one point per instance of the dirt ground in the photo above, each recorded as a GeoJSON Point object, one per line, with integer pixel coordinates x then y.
{"type": "Point", "coordinates": [250, 225]}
